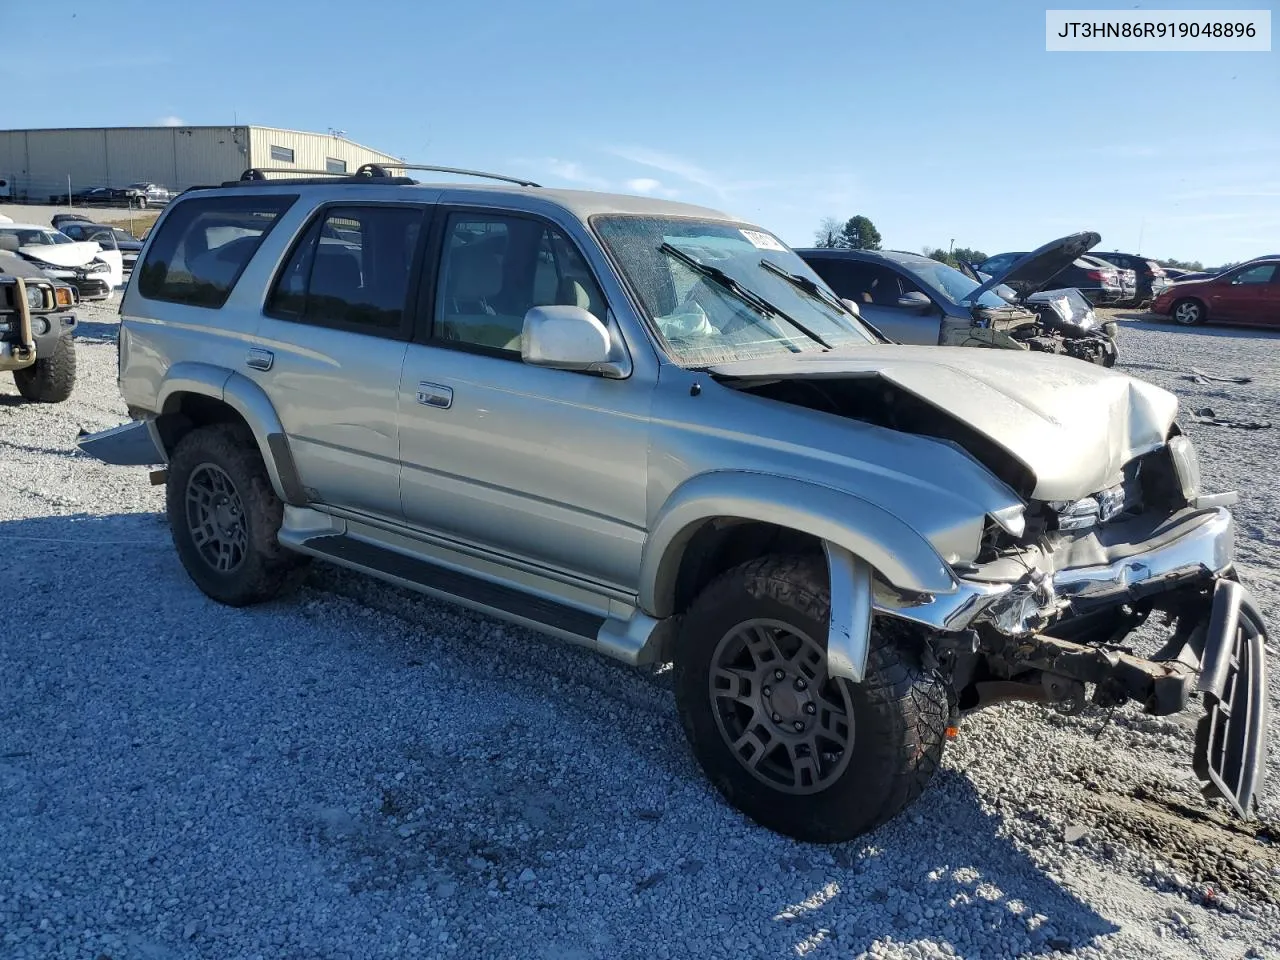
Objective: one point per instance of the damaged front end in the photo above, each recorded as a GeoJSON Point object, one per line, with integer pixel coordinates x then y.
{"type": "Point", "coordinates": [1053, 617]}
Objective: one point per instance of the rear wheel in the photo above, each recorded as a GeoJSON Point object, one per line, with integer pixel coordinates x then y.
{"type": "Point", "coordinates": [798, 751]}
{"type": "Point", "coordinates": [1188, 313]}
{"type": "Point", "coordinates": [224, 516]}
{"type": "Point", "coordinates": [51, 378]}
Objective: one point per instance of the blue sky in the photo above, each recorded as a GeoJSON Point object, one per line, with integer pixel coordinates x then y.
{"type": "Point", "coordinates": [938, 120]}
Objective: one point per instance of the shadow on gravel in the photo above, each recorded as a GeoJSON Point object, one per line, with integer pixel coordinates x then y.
{"type": "Point", "coordinates": [944, 871]}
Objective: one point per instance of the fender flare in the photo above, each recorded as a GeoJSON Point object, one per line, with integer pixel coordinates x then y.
{"type": "Point", "coordinates": [252, 404]}
{"type": "Point", "coordinates": [861, 528]}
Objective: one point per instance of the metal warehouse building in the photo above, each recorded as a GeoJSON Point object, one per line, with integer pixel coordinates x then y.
{"type": "Point", "coordinates": [35, 164]}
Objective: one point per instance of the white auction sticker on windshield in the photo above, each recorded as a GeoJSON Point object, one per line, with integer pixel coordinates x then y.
{"type": "Point", "coordinates": [762, 241]}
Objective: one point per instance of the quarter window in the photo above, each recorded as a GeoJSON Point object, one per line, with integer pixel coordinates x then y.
{"type": "Point", "coordinates": [203, 246]}
{"type": "Point", "coordinates": [493, 269]}
{"type": "Point", "coordinates": [351, 270]}
{"type": "Point", "coordinates": [283, 154]}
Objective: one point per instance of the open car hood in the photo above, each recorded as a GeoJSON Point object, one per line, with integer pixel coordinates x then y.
{"type": "Point", "coordinates": [1037, 269]}
{"type": "Point", "coordinates": [1072, 424]}
{"type": "Point", "coordinates": [63, 254]}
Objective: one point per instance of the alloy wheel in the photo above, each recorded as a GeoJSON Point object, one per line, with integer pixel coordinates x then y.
{"type": "Point", "coordinates": [215, 518]}
{"type": "Point", "coordinates": [782, 716]}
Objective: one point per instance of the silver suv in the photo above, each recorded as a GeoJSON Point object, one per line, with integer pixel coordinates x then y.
{"type": "Point", "coordinates": [649, 428]}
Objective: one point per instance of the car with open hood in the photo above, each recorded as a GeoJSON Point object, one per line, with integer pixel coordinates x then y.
{"type": "Point", "coordinates": [91, 269]}
{"type": "Point", "coordinates": [649, 428]}
{"type": "Point", "coordinates": [914, 299]}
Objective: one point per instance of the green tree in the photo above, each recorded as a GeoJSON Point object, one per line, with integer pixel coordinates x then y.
{"type": "Point", "coordinates": [859, 233]}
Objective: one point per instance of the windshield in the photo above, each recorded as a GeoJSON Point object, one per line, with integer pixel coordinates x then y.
{"type": "Point", "coordinates": [700, 320]}
{"type": "Point", "coordinates": [36, 238]}
{"type": "Point", "coordinates": [953, 284]}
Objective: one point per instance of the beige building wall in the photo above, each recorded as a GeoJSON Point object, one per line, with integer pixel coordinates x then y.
{"type": "Point", "coordinates": [36, 163]}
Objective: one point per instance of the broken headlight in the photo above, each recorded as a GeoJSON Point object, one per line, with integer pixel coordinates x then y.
{"type": "Point", "coordinates": [1186, 465]}
{"type": "Point", "coordinates": [1099, 508]}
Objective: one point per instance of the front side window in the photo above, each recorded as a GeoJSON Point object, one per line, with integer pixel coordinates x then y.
{"type": "Point", "coordinates": [1255, 275]}
{"type": "Point", "coordinates": [678, 269]}
{"type": "Point", "coordinates": [495, 268]}
{"type": "Point", "coordinates": [351, 270]}
{"type": "Point", "coordinates": [203, 246]}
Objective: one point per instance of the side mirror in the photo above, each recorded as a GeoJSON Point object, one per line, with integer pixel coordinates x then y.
{"type": "Point", "coordinates": [566, 338]}
{"type": "Point", "coordinates": [915, 300]}
{"type": "Point", "coordinates": [853, 307]}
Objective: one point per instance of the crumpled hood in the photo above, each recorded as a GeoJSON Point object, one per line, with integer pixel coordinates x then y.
{"type": "Point", "coordinates": [63, 254]}
{"type": "Point", "coordinates": [1073, 424]}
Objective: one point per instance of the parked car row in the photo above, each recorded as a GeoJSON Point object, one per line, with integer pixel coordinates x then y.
{"type": "Point", "coordinates": [93, 258]}
{"type": "Point", "coordinates": [1105, 279]}
{"type": "Point", "coordinates": [142, 194]}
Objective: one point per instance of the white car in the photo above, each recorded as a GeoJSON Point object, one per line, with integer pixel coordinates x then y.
{"type": "Point", "coordinates": [93, 271]}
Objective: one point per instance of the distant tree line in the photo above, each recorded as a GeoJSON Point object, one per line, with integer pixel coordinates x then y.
{"type": "Point", "coordinates": [859, 233]}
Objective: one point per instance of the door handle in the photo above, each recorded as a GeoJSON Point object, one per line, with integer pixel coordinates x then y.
{"type": "Point", "coordinates": [260, 359]}
{"type": "Point", "coordinates": [435, 395]}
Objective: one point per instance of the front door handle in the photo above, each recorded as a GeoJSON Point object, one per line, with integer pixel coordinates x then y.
{"type": "Point", "coordinates": [435, 395]}
{"type": "Point", "coordinates": [260, 359]}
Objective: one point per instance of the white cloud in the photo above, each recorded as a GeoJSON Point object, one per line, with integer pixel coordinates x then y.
{"type": "Point", "coordinates": [575, 173]}
{"type": "Point", "coordinates": [170, 121]}
{"type": "Point", "coordinates": [644, 185]}
{"type": "Point", "coordinates": [687, 170]}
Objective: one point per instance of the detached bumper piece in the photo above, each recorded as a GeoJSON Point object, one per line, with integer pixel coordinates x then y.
{"type": "Point", "coordinates": [1230, 750]}
{"type": "Point", "coordinates": [134, 444]}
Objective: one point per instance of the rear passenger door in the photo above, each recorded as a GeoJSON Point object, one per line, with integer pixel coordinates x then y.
{"type": "Point", "coordinates": [330, 349]}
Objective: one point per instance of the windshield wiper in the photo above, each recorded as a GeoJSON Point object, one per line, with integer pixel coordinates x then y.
{"type": "Point", "coordinates": [749, 297]}
{"type": "Point", "coordinates": [806, 285]}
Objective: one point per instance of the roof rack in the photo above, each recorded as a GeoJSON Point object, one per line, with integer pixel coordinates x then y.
{"type": "Point", "coordinates": [369, 172]}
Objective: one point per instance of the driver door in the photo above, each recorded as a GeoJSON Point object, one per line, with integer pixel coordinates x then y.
{"type": "Point", "coordinates": [541, 466]}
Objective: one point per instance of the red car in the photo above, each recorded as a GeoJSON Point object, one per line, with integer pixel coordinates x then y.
{"type": "Point", "coordinates": [1248, 293]}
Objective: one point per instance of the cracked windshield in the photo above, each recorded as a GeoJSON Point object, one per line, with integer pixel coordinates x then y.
{"type": "Point", "coordinates": [718, 292]}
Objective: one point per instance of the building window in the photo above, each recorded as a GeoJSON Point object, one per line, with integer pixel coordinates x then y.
{"type": "Point", "coordinates": [335, 166]}
{"type": "Point", "coordinates": [284, 154]}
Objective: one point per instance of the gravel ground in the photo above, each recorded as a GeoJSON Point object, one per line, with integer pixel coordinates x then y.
{"type": "Point", "coordinates": [359, 772]}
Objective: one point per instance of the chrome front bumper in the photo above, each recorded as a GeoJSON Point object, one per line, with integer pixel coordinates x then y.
{"type": "Point", "coordinates": [1204, 549]}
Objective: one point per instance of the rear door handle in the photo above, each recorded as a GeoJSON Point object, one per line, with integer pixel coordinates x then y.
{"type": "Point", "coordinates": [435, 395]}
{"type": "Point", "coordinates": [260, 359]}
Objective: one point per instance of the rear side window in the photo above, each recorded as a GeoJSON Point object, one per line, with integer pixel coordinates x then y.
{"type": "Point", "coordinates": [204, 245]}
{"type": "Point", "coordinates": [351, 270]}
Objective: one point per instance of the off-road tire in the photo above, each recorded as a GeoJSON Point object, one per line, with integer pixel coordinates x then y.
{"type": "Point", "coordinates": [1193, 315]}
{"type": "Point", "coordinates": [900, 710]}
{"type": "Point", "coordinates": [50, 379]}
{"type": "Point", "coordinates": [267, 569]}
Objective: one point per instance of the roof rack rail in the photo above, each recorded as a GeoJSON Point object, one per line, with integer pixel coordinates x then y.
{"type": "Point", "coordinates": [459, 170]}
{"type": "Point", "coordinates": [376, 172]}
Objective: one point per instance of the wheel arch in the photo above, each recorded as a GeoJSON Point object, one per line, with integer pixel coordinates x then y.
{"type": "Point", "coordinates": [719, 519]}
{"type": "Point", "coordinates": [195, 395]}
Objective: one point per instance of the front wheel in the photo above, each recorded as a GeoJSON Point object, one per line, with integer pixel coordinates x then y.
{"type": "Point", "coordinates": [800, 752]}
{"type": "Point", "coordinates": [51, 378]}
{"type": "Point", "coordinates": [1188, 313]}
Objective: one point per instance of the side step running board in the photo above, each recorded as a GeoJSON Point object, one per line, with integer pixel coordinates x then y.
{"type": "Point", "coordinates": [629, 640]}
